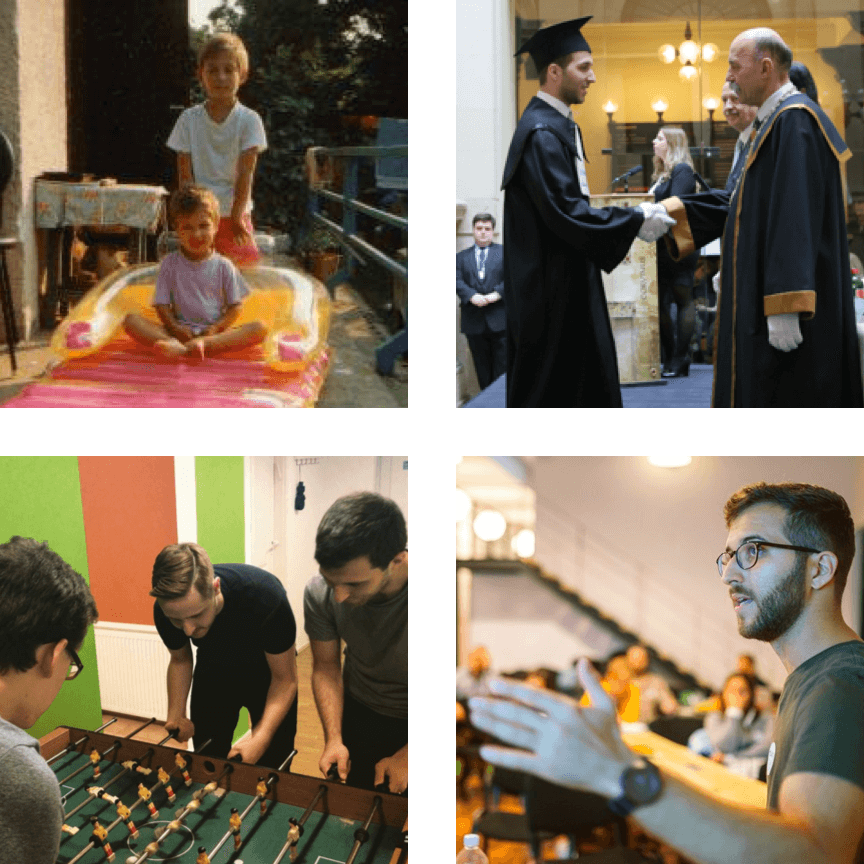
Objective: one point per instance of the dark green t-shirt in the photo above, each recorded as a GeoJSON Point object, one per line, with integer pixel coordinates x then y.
{"type": "Point", "coordinates": [820, 719]}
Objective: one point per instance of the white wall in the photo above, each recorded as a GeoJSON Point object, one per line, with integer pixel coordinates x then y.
{"type": "Point", "coordinates": [640, 543]}
{"type": "Point", "coordinates": [271, 483]}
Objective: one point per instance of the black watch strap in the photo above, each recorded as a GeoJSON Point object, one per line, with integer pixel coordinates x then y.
{"type": "Point", "coordinates": [641, 784]}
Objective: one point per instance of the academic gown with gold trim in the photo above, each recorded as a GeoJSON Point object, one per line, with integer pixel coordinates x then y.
{"type": "Point", "coordinates": [784, 250]}
{"type": "Point", "coordinates": [560, 351]}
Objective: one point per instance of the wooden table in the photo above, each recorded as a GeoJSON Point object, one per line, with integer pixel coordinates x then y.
{"type": "Point", "coordinates": [697, 771]}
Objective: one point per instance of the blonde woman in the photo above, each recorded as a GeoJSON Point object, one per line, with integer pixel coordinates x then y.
{"type": "Point", "coordinates": [674, 176]}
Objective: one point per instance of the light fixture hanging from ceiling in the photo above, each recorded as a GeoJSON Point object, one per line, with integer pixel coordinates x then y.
{"type": "Point", "coordinates": [688, 53]}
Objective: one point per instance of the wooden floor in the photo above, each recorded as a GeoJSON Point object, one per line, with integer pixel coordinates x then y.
{"type": "Point", "coordinates": [309, 741]}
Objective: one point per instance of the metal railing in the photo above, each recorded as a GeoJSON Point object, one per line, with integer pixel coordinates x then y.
{"type": "Point", "coordinates": [358, 250]}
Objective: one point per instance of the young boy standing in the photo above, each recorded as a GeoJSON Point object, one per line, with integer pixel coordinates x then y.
{"type": "Point", "coordinates": [218, 142]}
{"type": "Point", "coordinates": [45, 610]}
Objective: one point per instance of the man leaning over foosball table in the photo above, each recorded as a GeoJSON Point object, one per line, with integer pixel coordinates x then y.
{"type": "Point", "coordinates": [240, 620]}
{"type": "Point", "coordinates": [360, 598]}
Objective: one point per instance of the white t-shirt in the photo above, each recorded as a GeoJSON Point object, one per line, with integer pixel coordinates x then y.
{"type": "Point", "coordinates": [216, 147]}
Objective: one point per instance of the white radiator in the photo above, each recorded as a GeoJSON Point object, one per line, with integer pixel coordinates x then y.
{"type": "Point", "coordinates": [133, 663]}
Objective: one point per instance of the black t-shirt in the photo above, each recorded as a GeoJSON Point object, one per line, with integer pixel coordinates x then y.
{"type": "Point", "coordinates": [820, 719]}
{"type": "Point", "coordinates": [255, 620]}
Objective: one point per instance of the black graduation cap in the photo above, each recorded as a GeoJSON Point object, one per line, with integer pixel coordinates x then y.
{"type": "Point", "coordinates": [549, 43]}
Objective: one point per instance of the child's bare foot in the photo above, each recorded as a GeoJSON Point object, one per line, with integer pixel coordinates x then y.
{"type": "Point", "coordinates": [170, 347]}
{"type": "Point", "coordinates": [195, 346]}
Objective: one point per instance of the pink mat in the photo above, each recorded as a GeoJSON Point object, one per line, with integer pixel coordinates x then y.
{"type": "Point", "coordinates": [128, 375]}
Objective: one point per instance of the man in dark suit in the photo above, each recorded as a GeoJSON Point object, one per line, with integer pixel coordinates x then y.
{"type": "Point", "coordinates": [480, 286]}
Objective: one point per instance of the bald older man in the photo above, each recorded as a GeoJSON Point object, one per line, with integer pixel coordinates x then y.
{"type": "Point", "coordinates": [786, 335]}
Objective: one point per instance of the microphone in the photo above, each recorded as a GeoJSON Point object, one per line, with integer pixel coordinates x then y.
{"type": "Point", "coordinates": [634, 170]}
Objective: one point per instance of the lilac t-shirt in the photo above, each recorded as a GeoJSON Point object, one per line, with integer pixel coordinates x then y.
{"type": "Point", "coordinates": [199, 292]}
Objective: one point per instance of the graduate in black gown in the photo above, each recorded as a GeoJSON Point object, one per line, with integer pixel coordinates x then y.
{"type": "Point", "coordinates": [786, 335]}
{"type": "Point", "coordinates": [561, 353]}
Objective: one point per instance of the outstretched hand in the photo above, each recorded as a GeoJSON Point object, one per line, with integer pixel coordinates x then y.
{"type": "Point", "coordinates": [657, 222]}
{"type": "Point", "coordinates": [576, 747]}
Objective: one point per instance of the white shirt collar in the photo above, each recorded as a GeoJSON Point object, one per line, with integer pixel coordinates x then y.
{"type": "Point", "coordinates": [774, 100]}
{"type": "Point", "coordinates": [744, 137]}
{"type": "Point", "coordinates": [557, 104]}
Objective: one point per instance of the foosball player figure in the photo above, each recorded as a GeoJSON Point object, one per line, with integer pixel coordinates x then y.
{"type": "Point", "coordinates": [262, 790]}
{"type": "Point", "coordinates": [180, 762]}
{"type": "Point", "coordinates": [144, 794]}
{"type": "Point", "coordinates": [200, 794]}
{"type": "Point", "coordinates": [94, 758]}
{"type": "Point", "coordinates": [125, 813]}
{"type": "Point", "coordinates": [294, 833]}
{"type": "Point", "coordinates": [166, 782]}
{"type": "Point", "coordinates": [202, 858]}
{"type": "Point", "coordinates": [235, 822]}
{"type": "Point", "coordinates": [100, 838]}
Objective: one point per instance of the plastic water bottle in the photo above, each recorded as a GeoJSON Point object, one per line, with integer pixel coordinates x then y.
{"type": "Point", "coordinates": [471, 852]}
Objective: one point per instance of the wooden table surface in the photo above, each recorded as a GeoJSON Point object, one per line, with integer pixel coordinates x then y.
{"type": "Point", "coordinates": [697, 771]}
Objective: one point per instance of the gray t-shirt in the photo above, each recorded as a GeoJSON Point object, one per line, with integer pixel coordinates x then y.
{"type": "Point", "coordinates": [31, 814]}
{"type": "Point", "coordinates": [199, 292]}
{"type": "Point", "coordinates": [376, 644]}
{"type": "Point", "coordinates": [820, 719]}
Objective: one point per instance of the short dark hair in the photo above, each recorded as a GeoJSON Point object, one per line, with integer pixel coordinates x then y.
{"type": "Point", "coordinates": [800, 76]}
{"type": "Point", "coordinates": [42, 600]}
{"type": "Point", "coordinates": [180, 567]}
{"type": "Point", "coordinates": [751, 686]}
{"type": "Point", "coordinates": [362, 524]}
{"type": "Point", "coordinates": [483, 217]}
{"type": "Point", "coordinates": [563, 61]}
{"type": "Point", "coordinates": [815, 517]}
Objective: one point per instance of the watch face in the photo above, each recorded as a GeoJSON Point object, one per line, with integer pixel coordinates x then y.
{"type": "Point", "coordinates": [642, 784]}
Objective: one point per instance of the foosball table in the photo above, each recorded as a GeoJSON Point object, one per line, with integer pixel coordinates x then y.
{"type": "Point", "coordinates": [131, 801]}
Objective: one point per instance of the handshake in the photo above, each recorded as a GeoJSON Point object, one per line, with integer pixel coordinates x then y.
{"type": "Point", "coordinates": [657, 222]}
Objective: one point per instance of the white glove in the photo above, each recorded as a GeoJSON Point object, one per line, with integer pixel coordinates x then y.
{"type": "Point", "coordinates": [716, 282]}
{"type": "Point", "coordinates": [657, 222]}
{"type": "Point", "coordinates": [784, 332]}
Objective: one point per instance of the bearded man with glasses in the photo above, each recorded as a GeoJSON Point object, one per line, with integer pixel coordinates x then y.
{"type": "Point", "coordinates": [788, 554]}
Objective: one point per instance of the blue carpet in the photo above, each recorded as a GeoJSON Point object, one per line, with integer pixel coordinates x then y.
{"type": "Point", "coordinates": [691, 392]}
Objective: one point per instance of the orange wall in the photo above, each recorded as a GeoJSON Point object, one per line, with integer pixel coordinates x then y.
{"type": "Point", "coordinates": [130, 513]}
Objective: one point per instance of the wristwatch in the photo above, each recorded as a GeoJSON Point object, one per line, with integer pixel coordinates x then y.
{"type": "Point", "coordinates": [641, 783]}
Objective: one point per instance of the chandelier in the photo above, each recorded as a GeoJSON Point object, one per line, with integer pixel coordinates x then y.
{"type": "Point", "coordinates": [688, 52]}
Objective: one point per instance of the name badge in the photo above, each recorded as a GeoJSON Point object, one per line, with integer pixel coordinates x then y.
{"type": "Point", "coordinates": [583, 177]}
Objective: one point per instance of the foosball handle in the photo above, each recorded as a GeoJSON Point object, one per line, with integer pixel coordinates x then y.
{"type": "Point", "coordinates": [333, 773]}
{"type": "Point", "coordinates": [236, 758]}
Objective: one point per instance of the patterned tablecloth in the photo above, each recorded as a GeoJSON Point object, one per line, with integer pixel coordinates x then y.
{"type": "Point", "coordinates": [59, 204]}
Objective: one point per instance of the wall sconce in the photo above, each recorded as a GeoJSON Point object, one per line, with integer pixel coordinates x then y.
{"type": "Point", "coordinates": [659, 106]}
{"type": "Point", "coordinates": [712, 103]}
{"type": "Point", "coordinates": [610, 108]}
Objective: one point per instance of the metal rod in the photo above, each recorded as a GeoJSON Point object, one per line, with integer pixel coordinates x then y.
{"type": "Point", "coordinates": [350, 241]}
{"type": "Point", "coordinates": [362, 834]}
{"type": "Point", "coordinates": [295, 832]}
{"type": "Point", "coordinates": [143, 726]}
{"type": "Point", "coordinates": [111, 749]}
{"type": "Point", "coordinates": [79, 741]}
{"type": "Point", "coordinates": [381, 215]}
{"type": "Point", "coordinates": [113, 780]}
{"type": "Point", "coordinates": [394, 150]}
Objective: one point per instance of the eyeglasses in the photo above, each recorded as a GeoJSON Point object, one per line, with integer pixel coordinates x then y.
{"type": "Point", "coordinates": [747, 554]}
{"type": "Point", "coordinates": [76, 667]}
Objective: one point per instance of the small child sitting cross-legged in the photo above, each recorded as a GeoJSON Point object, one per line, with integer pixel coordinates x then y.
{"type": "Point", "coordinates": [199, 293]}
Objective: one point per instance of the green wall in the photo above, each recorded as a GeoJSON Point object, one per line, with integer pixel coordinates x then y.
{"type": "Point", "coordinates": [219, 495]}
{"type": "Point", "coordinates": [42, 499]}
